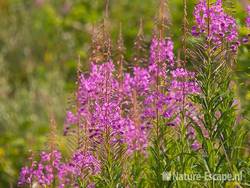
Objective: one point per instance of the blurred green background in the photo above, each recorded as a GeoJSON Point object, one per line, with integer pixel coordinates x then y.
{"type": "Point", "coordinates": [40, 41]}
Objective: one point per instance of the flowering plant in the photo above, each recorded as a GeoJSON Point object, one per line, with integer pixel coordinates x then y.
{"type": "Point", "coordinates": [131, 124]}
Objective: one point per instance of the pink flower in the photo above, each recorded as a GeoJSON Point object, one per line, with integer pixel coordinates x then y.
{"type": "Point", "coordinates": [221, 25]}
{"type": "Point", "coordinates": [248, 17]}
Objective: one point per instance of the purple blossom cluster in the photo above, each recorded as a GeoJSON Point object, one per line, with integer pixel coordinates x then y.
{"type": "Point", "coordinates": [161, 52]}
{"type": "Point", "coordinates": [160, 63]}
{"type": "Point", "coordinates": [170, 98]}
{"type": "Point", "coordinates": [128, 107]}
{"type": "Point", "coordinates": [136, 137]}
{"type": "Point", "coordinates": [215, 24]}
{"type": "Point", "coordinates": [105, 104]}
{"type": "Point", "coordinates": [80, 166]}
{"type": "Point", "coordinates": [43, 171]}
{"type": "Point", "coordinates": [248, 17]}
{"type": "Point", "coordinates": [181, 86]}
{"type": "Point", "coordinates": [98, 102]}
{"type": "Point", "coordinates": [49, 170]}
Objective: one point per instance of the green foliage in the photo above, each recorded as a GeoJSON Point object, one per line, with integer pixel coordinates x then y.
{"type": "Point", "coordinates": [112, 156]}
{"type": "Point", "coordinates": [218, 108]}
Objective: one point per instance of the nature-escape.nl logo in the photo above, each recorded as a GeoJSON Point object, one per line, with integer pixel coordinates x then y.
{"type": "Point", "coordinates": [168, 176]}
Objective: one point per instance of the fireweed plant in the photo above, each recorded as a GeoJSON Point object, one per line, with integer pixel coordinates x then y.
{"type": "Point", "coordinates": [134, 121]}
